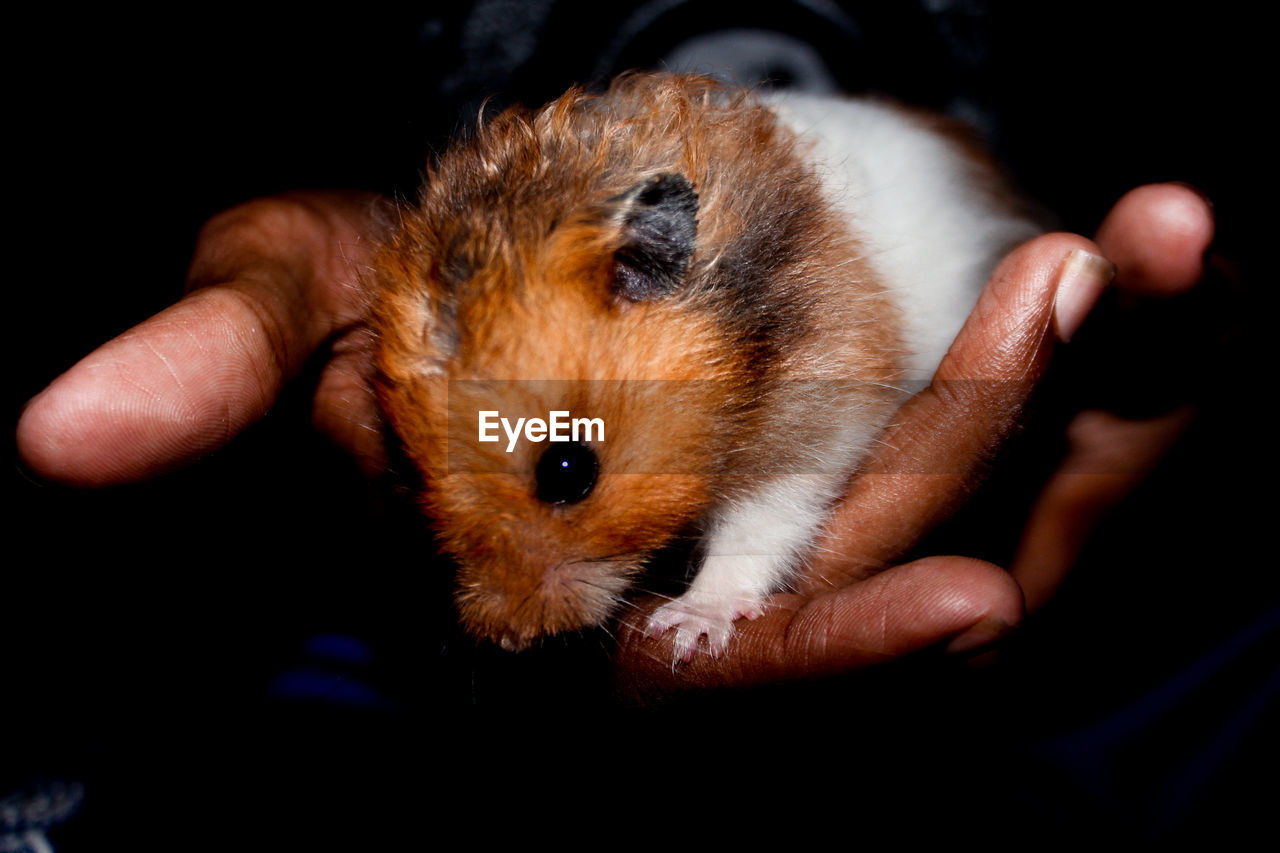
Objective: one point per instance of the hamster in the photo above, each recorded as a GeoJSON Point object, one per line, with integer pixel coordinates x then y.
{"type": "Point", "coordinates": [670, 309]}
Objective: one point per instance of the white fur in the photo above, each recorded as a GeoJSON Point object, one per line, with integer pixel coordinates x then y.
{"type": "Point", "coordinates": [909, 194]}
{"type": "Point", "coordinates": [933, 236]}
{"type": "Point", "coordinates": [751, 549]}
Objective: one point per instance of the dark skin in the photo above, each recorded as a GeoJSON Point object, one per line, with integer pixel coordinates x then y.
{"type": "Point", "coordinates": [275, 280]}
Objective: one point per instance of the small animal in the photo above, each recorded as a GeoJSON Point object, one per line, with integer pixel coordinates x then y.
{"type": "Point", "coordinates": [734, 287]}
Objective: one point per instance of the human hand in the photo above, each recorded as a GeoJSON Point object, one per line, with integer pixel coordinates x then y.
{"type": "Point", "coordinates": [274, 281]}
{"type": "Point", "coordinates": [853, 607]}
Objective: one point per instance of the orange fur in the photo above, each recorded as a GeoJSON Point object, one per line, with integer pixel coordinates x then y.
{"type": "Point", "coordinates": [496, 295]}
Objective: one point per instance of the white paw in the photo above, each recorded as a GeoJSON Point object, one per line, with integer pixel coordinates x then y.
{"type": "Point", "coordinates": [696, 614]}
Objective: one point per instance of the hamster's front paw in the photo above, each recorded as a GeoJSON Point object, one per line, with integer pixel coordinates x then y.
{"type": "Point", "coordinates": [698, 612]}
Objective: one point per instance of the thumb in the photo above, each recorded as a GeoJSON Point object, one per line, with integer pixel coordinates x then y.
{"type": "Point", "coordinates": [274, 278]}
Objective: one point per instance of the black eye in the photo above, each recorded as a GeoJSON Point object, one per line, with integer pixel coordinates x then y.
{"type": "Point", "coordinates": [566, 473]}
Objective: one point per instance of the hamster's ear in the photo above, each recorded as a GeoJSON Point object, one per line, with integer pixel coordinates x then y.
{"type": "Point", "coordinates": [659, 223]}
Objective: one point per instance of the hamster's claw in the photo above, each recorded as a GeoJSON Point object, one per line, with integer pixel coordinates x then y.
{"type": "Point", "coordinates": [694, 615]}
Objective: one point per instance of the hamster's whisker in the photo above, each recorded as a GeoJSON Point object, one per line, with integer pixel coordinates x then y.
{"type": "Point", "coordinates": [879, 440]}
{"type": "Point", "coordinates": [604, 628]}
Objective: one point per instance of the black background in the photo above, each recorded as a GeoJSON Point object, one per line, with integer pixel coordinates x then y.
{"type": "Point", "coordinates": [144, 627]}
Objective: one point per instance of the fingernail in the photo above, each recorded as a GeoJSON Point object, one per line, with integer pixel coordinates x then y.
{"type": "Point", "coordinates": [1081, 281]}
{"type": "Point", "coordinates": [978, 636]}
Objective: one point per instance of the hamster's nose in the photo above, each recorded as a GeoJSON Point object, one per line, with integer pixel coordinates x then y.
{"type": "Point", "coordinates": [566, 473]}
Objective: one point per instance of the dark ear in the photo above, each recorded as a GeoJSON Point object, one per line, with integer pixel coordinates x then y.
{"type": "Point", "coordinates": [659, 223]}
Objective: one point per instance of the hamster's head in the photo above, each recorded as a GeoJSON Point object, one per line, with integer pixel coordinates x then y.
{"type": "Point", "coordinates": [565, 393]}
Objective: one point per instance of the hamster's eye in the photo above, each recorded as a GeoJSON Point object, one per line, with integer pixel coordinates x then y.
{"type": "Point", "coordinates": [566, 473]}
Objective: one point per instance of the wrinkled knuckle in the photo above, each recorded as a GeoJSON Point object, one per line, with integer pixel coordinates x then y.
{"type": "Point", "coordinates": [258, 227]}
{"type": "Point", "coordinates": [272, 214]}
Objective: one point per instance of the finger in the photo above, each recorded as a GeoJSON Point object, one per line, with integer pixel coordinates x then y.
{"type": "Point", "coordinates": [1149, 347]}
{"type": "Point", "coordinates": [271, 281]}
{"type": "Point", "coordinates": [935, 453]}
{"type": "Point", "coordinates": [1158, 236]}
{"type": "Point", "coordinates": [346, 408]}
{"type": "Point", "coordinates": [1107, 457]}
{"type": "Point", "coordinates": [967, 603]}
